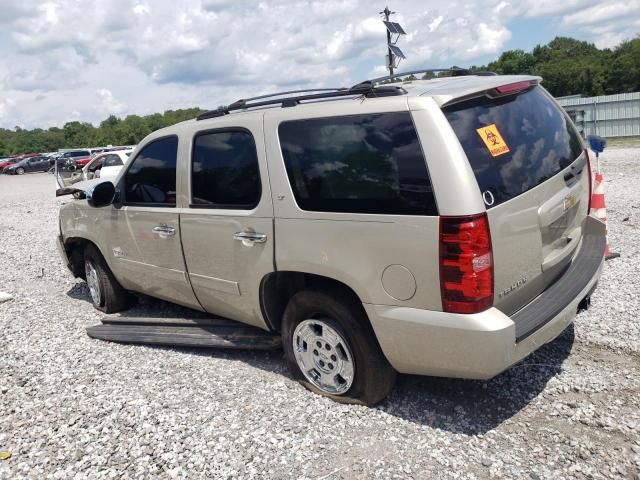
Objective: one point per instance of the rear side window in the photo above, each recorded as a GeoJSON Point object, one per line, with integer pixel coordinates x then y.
{"type": "Point", "coordinates": [540, 141]}
{"type": "Point", "coordinates": [224, 170]}
{"type": "Point", "coordinates": [151, 179]}
{"type": "Point", "coordinates": [357, 164]}
{"type": "Point", "coordinates": [112, 161]}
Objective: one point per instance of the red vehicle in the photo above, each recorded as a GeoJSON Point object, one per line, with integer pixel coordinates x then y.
{"type": "Point", "coordinates": [8, 161]}
{"type": "Point", "coordinates": [82, 161]}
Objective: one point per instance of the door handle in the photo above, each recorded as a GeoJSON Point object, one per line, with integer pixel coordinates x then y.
{"type": "Point", "coordinates": [164, 231]}
{"type": "Point", "coordinates": [250, 237]}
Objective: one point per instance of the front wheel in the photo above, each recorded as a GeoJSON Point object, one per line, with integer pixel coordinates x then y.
{"type": "Point", "coordinates": [331, 349]}
{"type": "Point", "coordinates": [107, 295]}
{"type": "Point", "coordinates": [20, 171]}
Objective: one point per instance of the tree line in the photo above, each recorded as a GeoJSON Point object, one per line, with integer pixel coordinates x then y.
{"type": "Point", "coordinates": [571, 67]}
{"type": "Point", "coordinates": [112, 131]}
{"type": "Point", "coordinates": [568, 66]}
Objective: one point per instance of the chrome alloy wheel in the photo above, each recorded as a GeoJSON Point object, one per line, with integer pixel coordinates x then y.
{"type": "Point", "coordinates": [92, 282]}
{"type": "Point", "coordinates": [323, 356]}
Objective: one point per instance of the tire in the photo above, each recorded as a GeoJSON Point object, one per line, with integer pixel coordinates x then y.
{"type": "Point", "coordinates": [326, 334]}
{"type": "Point", "coordinates": [106, 294]}
{"type": "Point", "coordinates": [20, 171]}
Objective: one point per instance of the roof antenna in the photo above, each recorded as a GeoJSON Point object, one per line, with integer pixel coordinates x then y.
{"type": "Point", "coordinates": [394, 54]}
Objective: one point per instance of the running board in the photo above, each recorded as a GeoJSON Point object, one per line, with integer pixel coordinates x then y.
{"type": "Point", "coordinates": [184, 332]}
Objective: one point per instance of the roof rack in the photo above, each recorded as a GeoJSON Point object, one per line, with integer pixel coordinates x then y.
{"type": "Point", "coordinates": [455, 72]}
{"type": "Point", "coordinates": [366, 89]}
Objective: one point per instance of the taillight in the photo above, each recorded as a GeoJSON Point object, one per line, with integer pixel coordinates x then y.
{"type": "Point", "coordinates": [513, 87]}
{"type": "Point", "coordinates": [586, 154]}
{"type": "Point", "coordinates": [466, 264]}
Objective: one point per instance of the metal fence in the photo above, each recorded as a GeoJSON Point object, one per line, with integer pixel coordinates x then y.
{"type": "Point", "coordinates": [608, 115]}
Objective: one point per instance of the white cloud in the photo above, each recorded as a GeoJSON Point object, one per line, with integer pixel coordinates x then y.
{"type": "Point", "coordinates": [435, 23]}
{"type": "Point", "coordinates": [536, 8]}
{"type": "Point", "coordinates": [59, 58]}
{"type": "Point", "coordinates": [108, 102]}
{"type": "Point", "coordinates": [141, 9]}
{"type": "Point", "coordinates": [487, 40]}
{"type": "Point", "coordinates": [5, 107]}
{"type": "Point", "coordinates": [598, 14]}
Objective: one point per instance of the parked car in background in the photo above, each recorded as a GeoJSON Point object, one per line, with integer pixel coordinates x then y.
{"type": "Point", "coordinates": [31, 164]}
{"type": "Point", "coordinates": [5, 162]}
{"type": "Point", "coordinates": [81, 153]}
{"type": "Point", "coordinates": [104, 165]}
{"type": "Point", "coordinates": [108, 165]}
{"type": "Point", "coordinates": [78, 157]}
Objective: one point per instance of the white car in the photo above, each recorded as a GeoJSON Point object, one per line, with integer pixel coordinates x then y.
{"type": "Point", "coordinates": [105, 165]}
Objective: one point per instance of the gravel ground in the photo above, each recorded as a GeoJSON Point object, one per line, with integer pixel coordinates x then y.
{"type": "Point", "coordinates": [73, 407]}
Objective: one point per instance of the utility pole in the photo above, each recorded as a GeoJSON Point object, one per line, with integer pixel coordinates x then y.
{"type": "Point", "coordinates": [386, 12]}
{"type": "Point", "coordinates": [394, 30]}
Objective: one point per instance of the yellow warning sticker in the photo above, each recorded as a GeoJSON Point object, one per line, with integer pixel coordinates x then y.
{"type": "Point", "coordinates": [493, 140]}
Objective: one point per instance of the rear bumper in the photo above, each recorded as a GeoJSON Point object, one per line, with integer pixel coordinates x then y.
{"type": "Point", "coordinates": [482, 345]}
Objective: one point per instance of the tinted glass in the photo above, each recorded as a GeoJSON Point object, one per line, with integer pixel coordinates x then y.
{"type": "Point", "coordinates": [82, 153]}
{"type": "Point", "coordinates": [359, 164]}
{"type": "Point", "coordinates": [112, 161]}
{"type": "Point", "coordinates": [541, 141]}
{"type": "Point", "coordinates": [225, 171]}
{"type": "Point", "coordinates": [97, 164]}
{"type": "Point", "coordinates": [151, 179]}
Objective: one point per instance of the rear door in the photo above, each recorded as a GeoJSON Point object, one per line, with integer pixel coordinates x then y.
{"type": "Point", "coordinates": [353, 199]}
{"type": "Point", "coordinates": [531, 168]}
{"type": "Point", "coordinates": [227, 226]}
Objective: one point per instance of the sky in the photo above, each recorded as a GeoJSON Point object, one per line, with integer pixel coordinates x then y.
{"type": "Point", "coordinates": [85, 60]}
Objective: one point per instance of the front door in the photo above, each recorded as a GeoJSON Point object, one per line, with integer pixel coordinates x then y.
{"type": "Point", "coordinates": [144, 237]}
{"type": "Point", "coordinates": [227, 226]}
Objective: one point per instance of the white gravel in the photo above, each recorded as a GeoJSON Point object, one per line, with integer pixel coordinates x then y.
{"type": "Point", "coordinates": [73, 407]}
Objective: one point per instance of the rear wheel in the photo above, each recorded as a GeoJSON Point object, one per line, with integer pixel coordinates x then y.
{"type": "Point", "coordinates": [331, 349]}
{"type": "Point", "coordinates": [107, 295]}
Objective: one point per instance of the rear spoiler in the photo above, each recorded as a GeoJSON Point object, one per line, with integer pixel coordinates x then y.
{"type": "Point", "coordinates": [496, 87]}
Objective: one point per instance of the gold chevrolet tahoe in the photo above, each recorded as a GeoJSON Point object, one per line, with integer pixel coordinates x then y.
{"type": "Point", "coordinates": [432, 227]}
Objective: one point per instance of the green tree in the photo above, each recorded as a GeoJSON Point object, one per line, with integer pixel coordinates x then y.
{"type": "Point", "coordinates": [514, 62]}
{"type": "Point", "coordinates": [624, 75]}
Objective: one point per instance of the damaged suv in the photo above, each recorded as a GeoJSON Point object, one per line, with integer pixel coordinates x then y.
{"type": "Point", "coordinates": [432, 227]}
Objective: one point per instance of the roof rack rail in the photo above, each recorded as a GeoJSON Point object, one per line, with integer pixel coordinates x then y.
{"type": "Point", "coordinates": [367, 89]}
{"type": "Point", "coordinates": [455, 72]}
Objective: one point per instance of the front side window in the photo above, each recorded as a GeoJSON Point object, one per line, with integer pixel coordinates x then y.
{"type": "Point", "coordinates": [151, 179]}
{"type": "Point", "coordinates": [224, 170]}
{"type": "Point", "coordinates": [358, 164]}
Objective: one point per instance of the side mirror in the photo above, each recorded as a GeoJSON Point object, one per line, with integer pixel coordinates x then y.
{"type": "Point", "coordinates": [102, 195]}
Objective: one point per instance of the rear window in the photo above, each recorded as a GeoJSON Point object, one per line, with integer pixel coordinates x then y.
{"type": "Point", "coordinates": [79, 153]}
{"type": "Point", "coordinates": [540, 142]}
{"type": "Point", "coordinates": [111, 161]}
{"type": "Point", "coordinates": [357, 164]}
